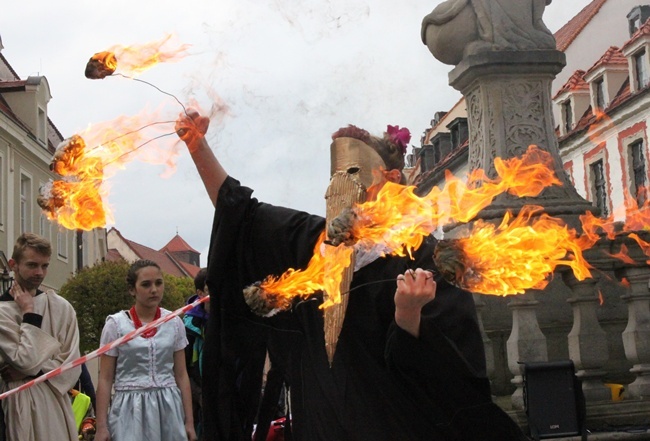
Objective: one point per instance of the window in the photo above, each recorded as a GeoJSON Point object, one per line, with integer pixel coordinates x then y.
{"type": "Point", "coordinates": [568, 115]}
{"type": "Point", "coordinates": [640, 70]}
{"type": "Point", "coordinates": [42, 125]}
{"type": "Point", "coordinates": [599, 91]}
{"type": "Point", "coordinates": [599, 186]}
{"type": "Point", "coordinates": [429, 158]}
{"type": "Point", "coordinates": [25, 204]}
{"type": "Point", "coordinates": [639, 172]}
{"type": "Point", "coordinates": [44, 226]}
{"type": "Point", "coordinates": [62, 243]}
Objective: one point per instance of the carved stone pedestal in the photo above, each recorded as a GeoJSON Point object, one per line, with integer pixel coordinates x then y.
{"type": "Point", "coordinates": [509, 107]}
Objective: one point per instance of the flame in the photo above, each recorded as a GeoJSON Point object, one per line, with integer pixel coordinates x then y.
{"type": "Point", "coordinates": [518, 254]}
{"type": "Point", "coordinates": [399, 220]}
{"type": "Point", "coordinates": [83, 162]}
{"type": "Point", "coordinates": [135, 59]}
{"type": "Point", "coordinates": [101, 65]}
{"type": "Point", "coordinates": [325, 260]}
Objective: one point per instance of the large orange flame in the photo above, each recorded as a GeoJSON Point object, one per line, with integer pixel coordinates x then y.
{"type": "Point", "coordinates": [518, 254]}
{"type": "Point", "coordinates": [83, 162]}
{"type": "Point", "coordinates": [302, 283]}
{"type": "Point", "coordinates": [399, 220]}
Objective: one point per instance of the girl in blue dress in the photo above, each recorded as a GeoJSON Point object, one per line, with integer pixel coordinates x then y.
{"type": "Point", "coordinates": [152, 399]}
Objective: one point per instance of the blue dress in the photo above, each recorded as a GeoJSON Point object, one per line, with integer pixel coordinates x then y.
{"type": "Point", "coordinates": [147, 402]}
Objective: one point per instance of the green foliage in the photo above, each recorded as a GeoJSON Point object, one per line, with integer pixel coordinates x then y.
{"type": "Point", "coordinates": [101, 290]}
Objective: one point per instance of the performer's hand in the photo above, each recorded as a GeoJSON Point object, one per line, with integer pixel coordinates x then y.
{"type": "Point", "coordinates": [10, 374]}
{"type": "Point", "coordinates": [23, 298]}
{"type": "Point", "coordinates": [191, 127]}
{"type": "Point", "coordinates": [415, 288]}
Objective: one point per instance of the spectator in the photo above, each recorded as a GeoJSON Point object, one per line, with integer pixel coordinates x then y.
{"type": "Point", "coordinates": [152, 398]}
{"type": "Point", "coordinates": [38, 333]}
{"type": "Point", "coordinates": [195, 321]}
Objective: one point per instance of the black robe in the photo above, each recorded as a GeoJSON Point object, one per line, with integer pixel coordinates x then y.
{"type": "Point", "coordinates": [383, 384]}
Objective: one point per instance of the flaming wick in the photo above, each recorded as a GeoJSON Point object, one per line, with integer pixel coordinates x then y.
{"type": "Point", "coordinates": [267, 304]}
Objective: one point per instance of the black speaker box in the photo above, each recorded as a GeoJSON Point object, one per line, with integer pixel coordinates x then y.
{"type": "Point", "coordinates": [554, 400]}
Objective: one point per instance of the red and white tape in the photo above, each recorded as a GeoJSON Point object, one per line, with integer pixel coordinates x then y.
{"type": "Point", "coordinates": [96, 353]}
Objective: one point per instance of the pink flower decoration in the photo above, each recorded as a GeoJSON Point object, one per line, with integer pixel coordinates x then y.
{"type": "Point", "coordinates": [400, 137]}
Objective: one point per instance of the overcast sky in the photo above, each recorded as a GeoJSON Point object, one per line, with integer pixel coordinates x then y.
{"type": "Point", "coordinates": [291, 72]}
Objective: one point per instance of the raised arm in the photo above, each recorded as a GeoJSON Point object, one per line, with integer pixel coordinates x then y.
{"type": "Point", "coordinates": [191, 129]}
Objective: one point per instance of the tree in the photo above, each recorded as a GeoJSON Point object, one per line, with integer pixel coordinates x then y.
{"type": "Point", "coordinates": [101, 290]}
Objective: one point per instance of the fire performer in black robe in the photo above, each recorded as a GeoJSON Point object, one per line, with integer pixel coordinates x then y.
{"type": "Point", "coordinates": [409, 363]}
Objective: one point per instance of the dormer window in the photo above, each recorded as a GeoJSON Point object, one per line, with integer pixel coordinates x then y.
{"type": "Point", "coordinates": [567, 112]}
{"type": "Point", "coordinates": [636, 17]}
{"type": "Point", "coordinates": [640, 69]}
{"type": "Point", "coordinates": [599, 93]}
{"type": "Point", "coordinates": [459, 132]}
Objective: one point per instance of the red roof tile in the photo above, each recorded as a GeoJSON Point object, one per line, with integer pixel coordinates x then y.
{"type": "Point", "coordinates": [167, 262]}
{"type": "Point", "coordinates": [178, 244]}
{"type": "Point", "coordinates": [113, 255]}
{"type": "Point", "coordinates": [623, 96]}
{"type": "Point", "coordinates": [575, 82]}
{"type": "Point", "coordinates": [613, 57]}
{"type": "Point", "coordinates": [192, 270]}
{"type": "Point", "coordinates": [567, 33]}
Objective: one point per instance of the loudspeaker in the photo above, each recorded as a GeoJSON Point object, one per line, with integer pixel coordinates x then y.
{"type": "Point", "coordinates": [554, 400]}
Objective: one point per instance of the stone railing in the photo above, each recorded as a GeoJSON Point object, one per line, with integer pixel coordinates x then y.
{"type": "Point", "coordinates": [601, 323]}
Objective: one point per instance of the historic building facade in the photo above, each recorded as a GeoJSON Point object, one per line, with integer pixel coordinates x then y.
{"type": "Point", "coordinates": [28, 139]}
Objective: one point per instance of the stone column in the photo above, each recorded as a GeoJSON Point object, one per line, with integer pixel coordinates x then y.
{"type": "Point", "coordinates": [587, 340]}
{"type": "Point", "coordinates": [487, 343]}
{"type": "Point", "coordinates": [636, 337]}
{"type": "Point", "coordinates": [509, 107]}
{"type": "Point", "coordinates": [526, 343]}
